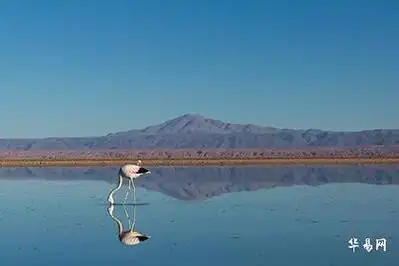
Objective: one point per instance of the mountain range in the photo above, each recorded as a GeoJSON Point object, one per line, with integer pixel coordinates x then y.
{"type": "Point", "coordinates": [193, 131]}
{"type": "Point", "coordinates": [199, 183]}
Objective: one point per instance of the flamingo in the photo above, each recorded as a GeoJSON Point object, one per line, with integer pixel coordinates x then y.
{"type": "Point", "coordinates": [128, 172]}
{"type": "Point", "coordinates": [131, 236]}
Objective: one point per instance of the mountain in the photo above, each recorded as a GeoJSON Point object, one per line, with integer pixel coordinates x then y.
{"type": "Point", "coordinates": [198, 183]}
{"type": "Point", "coordinates": [194, 123]}
{"type": "Point", "coordinates": [196, 131]}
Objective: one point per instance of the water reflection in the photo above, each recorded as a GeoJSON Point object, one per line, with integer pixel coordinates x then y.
{"type": "Point", "coordinates": [306, 223]}
{"type": "Point", "coordinates": [198, 183]}
{"type": "Point", "coordinates": [131, 236]}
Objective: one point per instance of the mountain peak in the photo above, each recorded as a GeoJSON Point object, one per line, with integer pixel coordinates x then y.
{"type": "Point", "coordinates": [190, 116]}
{"type": "Point", "coordinates": [196, 123]}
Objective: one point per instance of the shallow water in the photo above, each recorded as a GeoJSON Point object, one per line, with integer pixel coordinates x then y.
{"type": "Point", "coordinates": [201, 216]}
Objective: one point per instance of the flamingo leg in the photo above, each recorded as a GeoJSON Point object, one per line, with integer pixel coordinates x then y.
{"type": "Point", "coordinates": [127, 194]}
{"type": "Point", "coordinates": [134, 204]}
{"type": "Point", "coordinates": [133, 187]}
{"type": "Point", "coordinates": [130, 184]}
{"type": "Point", "coordinates": [134, 217]}
{"type": "Point", "coordinates": [128, 217]}
{"type": "Point", "coordinates": [134, 192]}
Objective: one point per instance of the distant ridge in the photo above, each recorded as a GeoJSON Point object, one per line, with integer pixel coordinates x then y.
{"type": "Point", "coordinates": [195, 123]}
{"type": "Point", "coordinates": [196, 131]}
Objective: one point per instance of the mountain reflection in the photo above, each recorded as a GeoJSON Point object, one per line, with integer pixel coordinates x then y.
{"type": "Point", "coordinates": [196, 183]}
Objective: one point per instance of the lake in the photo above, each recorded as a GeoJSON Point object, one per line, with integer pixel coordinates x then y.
{"type": "Point", "coordinates": [201, 216]}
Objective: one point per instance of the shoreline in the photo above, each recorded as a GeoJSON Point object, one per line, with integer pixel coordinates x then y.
{"type": "Point", "coordinates": [31, 162]}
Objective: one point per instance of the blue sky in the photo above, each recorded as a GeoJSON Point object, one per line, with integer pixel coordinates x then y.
{"type": "Point", "coordinates": [75, 68]}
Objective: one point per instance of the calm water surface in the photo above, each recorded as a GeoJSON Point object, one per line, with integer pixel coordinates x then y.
{"type": "Point", "coordinates": [201, 216]}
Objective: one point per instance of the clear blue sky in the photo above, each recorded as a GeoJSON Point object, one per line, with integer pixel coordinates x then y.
{"type": "Point", "coordinates": [76, 68]}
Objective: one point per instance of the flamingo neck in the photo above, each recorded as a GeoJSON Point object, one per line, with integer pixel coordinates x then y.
{"type": "Point", "coordinates": [116, 220]}
{"type": "Point", "coordinates": [110, 196]}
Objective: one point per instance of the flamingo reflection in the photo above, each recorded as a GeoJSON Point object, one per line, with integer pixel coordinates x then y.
{"type": "Point", "coordinates": [131, 236]}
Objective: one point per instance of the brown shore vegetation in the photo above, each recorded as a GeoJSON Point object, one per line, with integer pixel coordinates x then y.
{"type": "Point", "coordinates": [104, 162]}
{"type": "Point", "coordinates": [195, 157]}
{"type": "Point", "coordinates": [206, 153]}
